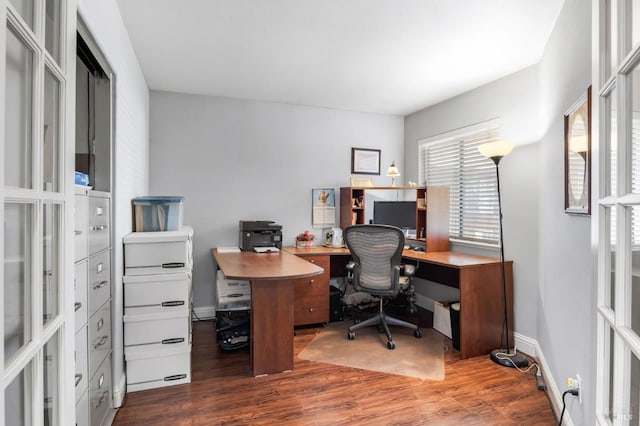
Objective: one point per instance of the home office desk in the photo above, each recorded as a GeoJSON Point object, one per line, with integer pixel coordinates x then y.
{"type": "Point", "coordinates": [478, 278]}
{"type": "Point", "coordinates": [273, 277]}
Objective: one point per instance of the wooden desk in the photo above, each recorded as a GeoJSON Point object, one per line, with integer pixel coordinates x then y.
{"type": "Point", "coordinates": [478, 278]}
{"type": "Point", "coordinates": [273, 277]}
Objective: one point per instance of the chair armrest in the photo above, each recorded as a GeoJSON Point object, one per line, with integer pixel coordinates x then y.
{"type": "Point", "coordinates": [351, 265]}
{"type": "Point", "coordinates": [409, 270]}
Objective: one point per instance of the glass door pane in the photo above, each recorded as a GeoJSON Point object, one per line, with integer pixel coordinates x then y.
{"type": "Point", "coordinates": [52, 29]}
{"type": "Point", "coordinates": [612, 143]}
{"type": "Point", "coordinates": [51, 370]}
{"type": "Point", "coordinates": [611, 36]}
{"type": "Point", "coordinates": [18, 113]}
{"type": "Point", "coordinates": [25, 10]}
{"type": "Point", "coordinates": [50, 261]}
{"type": "Point", "coordinates": [17, 277]}
{"type": "Point", "coordinates": [18, 399]}
{"type": "Point", "coordinates": [51, 144]}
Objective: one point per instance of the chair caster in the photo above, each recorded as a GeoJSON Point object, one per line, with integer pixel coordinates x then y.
{"type": "Point", "coordinates": [417, 333]}
{"type": "Point", "coordinates": [351, 335]}
{"type": "Point", "coordinates": [391, 344]}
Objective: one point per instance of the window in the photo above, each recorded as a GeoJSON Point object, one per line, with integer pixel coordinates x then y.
{"type": "Point", "coordinates": [453, 160]}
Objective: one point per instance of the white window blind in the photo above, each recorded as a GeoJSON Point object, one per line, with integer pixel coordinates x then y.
{"type": "Point", "coordinates": [454, 161]}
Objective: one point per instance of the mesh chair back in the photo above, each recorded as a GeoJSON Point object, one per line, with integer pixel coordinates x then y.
{"type": "Point", "coordinates": [376, 251]}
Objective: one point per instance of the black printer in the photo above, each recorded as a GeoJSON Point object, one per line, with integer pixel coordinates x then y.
{"type": "Point", "coordinates": [259, 234]}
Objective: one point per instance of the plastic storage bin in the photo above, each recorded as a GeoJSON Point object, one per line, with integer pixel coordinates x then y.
{"type": "Point", "coordinates": [155, 214]}
{"type": "Point", "coordinates": [455, 324]}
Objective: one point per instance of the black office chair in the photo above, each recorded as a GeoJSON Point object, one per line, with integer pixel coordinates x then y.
{"type": "Point", "coordinates": [376, 251]}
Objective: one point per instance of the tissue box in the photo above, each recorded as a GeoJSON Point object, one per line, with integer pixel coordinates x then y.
{"type": "Point", "coordinates": [155, 214]}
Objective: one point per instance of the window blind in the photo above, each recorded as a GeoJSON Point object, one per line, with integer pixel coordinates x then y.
{"type": "Point", "coordinates": [455, 161]}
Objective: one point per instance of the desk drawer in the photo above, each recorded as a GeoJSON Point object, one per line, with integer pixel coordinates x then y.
{"type": "Point", "coordinates": [99, 337]}
{"type": "Point", "coordinates": [311, 300]}
{"type": "Point", "coordinates": [100, 393]}
{"type": "Point", "coordinates": [322, 261]}
{"type": "Point", "coordinates": [98, 224]}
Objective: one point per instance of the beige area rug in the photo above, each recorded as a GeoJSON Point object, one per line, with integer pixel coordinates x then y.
{"type": "Point", "coordinates": [422, 358]}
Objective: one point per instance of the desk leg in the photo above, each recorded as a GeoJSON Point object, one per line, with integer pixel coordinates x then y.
{"type": "Point", "coordinates": [271, 326]}
{"type": "Point", "coordinates": [482, 311]}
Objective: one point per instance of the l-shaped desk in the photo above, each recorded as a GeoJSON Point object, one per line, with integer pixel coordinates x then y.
{"type": "Point", "coordinates": [273, 275]}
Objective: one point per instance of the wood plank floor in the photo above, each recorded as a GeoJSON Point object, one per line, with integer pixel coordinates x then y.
{"type": "Point", "coordinates": [222, 392]}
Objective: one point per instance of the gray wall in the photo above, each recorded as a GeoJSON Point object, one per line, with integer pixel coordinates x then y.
{"type": "Point", "coordinates": [554, 296]}
{"type": "Point", "coordinates": [235, 159]}
{"type": "Point", "coordinates": [566, 311]}
{"type": "Point", "coordinates": [513, 99]}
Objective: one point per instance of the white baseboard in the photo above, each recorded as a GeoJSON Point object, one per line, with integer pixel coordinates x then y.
{"type": "Point", "coordinates": [203, 313]}
{"type": "Point", "coordinates": [119, 391]}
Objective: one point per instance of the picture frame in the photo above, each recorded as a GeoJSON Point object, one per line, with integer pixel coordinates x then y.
{"type": "Point", "coordinates": [323, 207]}
{"type": "Point", "coordinates": [577, 156]}
{"type": "Point", "coordinates": [365, 161]}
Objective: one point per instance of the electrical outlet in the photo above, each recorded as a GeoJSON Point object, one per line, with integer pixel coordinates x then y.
{"type": "Point", "coordinates": [576, 384]}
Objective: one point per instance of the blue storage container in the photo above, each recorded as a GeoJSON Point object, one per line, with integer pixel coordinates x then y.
{"type": "Point", "coordinates": [82, 179]}
{"type": "Point", "coordinates": [156, 214]}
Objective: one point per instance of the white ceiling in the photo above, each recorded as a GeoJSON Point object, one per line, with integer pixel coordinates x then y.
{"type": "Point", "coordinates": [383, 56]}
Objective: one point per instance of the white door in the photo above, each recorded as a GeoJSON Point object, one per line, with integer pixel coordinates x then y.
{"type": "Point", "coordinates": [37, 65]}
{"type": "Point", "coordinates": [616, 225]}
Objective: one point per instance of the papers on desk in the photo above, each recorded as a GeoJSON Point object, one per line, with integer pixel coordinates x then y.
{"type": "Point", "coordinates": [230, 249]}
{"type": "Point", "coordinates": [266, 249]}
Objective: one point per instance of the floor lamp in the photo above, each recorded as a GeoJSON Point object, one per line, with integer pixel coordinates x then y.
{"type": "Point", "coordinates": [504, 357]}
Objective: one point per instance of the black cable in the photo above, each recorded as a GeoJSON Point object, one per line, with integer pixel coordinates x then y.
{"type": "Point", "coordinates": [564, 404]}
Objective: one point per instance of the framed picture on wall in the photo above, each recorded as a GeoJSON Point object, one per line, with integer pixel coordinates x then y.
{"type": "Point", "coordinates": [365, 161]}
{"type": "Point", "coordinates": [577, 156]}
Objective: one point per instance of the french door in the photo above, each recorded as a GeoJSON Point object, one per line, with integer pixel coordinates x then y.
{"type": "Point", "coordinates": [37, 66]}
{"type": "Point", "coordinates": [616, 224]}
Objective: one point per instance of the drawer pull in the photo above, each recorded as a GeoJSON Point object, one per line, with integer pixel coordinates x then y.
{"type": "Point", "coordinates": [102, 341]}
{"type": "Point", "coordinates": [77, 232]}
{"type": "Point", "coordinates": [173, 340]}
{"type": "Point", "coordinates": [78, 379]}
{"type": "Point", "coordinates": [310, 309]}
{"type": "Point", "coordinates": [171, 265]}
{"type": "Point", "coordinates": [103, 397]}
{"type": "Point", "coordinates": [235, 295]}
{"type": "Point", "coordinates": [99, 228]}
{"type": "Point", "coordinates": [100, 285]}
{"type": "Point", "coordinates": [173, 303]}
{"type": "Point", "coordinates": [77, 306]}
{"type": "Point", "coordinates": [175, 377]}
{"type": "Point", "coordinates": [312, 261]}
{"type": "Point", "coordinates": [311, 282]}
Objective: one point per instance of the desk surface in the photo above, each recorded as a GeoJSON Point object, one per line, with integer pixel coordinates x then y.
{"type": "Point", "coordinates": [445, 258]}
{"type": "Point", "coordinates": [248, 265]}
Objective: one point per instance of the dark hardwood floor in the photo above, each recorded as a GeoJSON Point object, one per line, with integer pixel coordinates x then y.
{"type": "Point", "coordinates": [222, 392]}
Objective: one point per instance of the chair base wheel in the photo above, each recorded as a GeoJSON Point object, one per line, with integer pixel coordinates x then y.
{"type": "Point", "coordinates": [351, 335]}
{"type": "Point", "coordinates": [417, 333]}
{"type": "Point", "coordinates": [391, 344]}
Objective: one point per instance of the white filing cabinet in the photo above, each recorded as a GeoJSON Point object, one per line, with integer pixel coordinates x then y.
{"type": "Point", "coordinates": [157, 308]}
{"type": "Point", "coordinates": [94, 405]}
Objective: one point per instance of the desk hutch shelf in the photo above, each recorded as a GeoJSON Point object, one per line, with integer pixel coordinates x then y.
{"type": "Point", "coordinates": [432, 217]}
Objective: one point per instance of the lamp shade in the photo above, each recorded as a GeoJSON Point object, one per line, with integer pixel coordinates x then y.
{"type": "Point", "coordinates": [497, 149]}
{"type": "Point", "coordinates": [393, 170]}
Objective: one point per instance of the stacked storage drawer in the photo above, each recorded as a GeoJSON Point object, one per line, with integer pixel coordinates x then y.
{"type": "Point", "coordinates": [232, 295]}
{"type": "Point", "coordinates": [157, 308]}
{"type": "Point", "coordinates": [311, 295]}
{"type": "Point", "coordinates": [93, 308]}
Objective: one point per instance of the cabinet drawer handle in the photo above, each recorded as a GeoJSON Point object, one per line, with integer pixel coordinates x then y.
{"type": "Point", "coordinates": [100, 285]}
{"type": "Point", "coordinates": [312, 261]}
{"type": "Point", "coordinates": [77, 306]}
{"type": "Point", "coordinates": [77, 232]}
{"type": "Point", "coordinates": [78, 379]}
{"type": "Point", "coordinates": [173, 303]}
{"type": "Point", "coordinates": [102, 341]}
{"type": "Point", "coordinates": [171, 265]}
{"type": "Point", "coordinates": [311, 282]}
{"type": "Point", "coordinates": [103, 397]}
{"type": "Point", "coordinates": [173, 340]}
{"type": "Point", "coordinates": [99, 228]}
{"type": "Point", "coordinates": [310, 309]}
{"type": "Point", "coordinates": [175, 377]}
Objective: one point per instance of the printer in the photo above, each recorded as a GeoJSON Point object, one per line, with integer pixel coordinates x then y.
{"type": "Point", "coordinates": [260, 235]}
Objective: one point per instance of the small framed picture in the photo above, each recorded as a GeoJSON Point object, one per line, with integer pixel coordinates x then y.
{"type": "Point", "coordinates": [365, 161]}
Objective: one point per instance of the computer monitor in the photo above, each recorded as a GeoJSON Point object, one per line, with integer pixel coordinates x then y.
{"type": "Point", "coordinates": [396, 213]}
